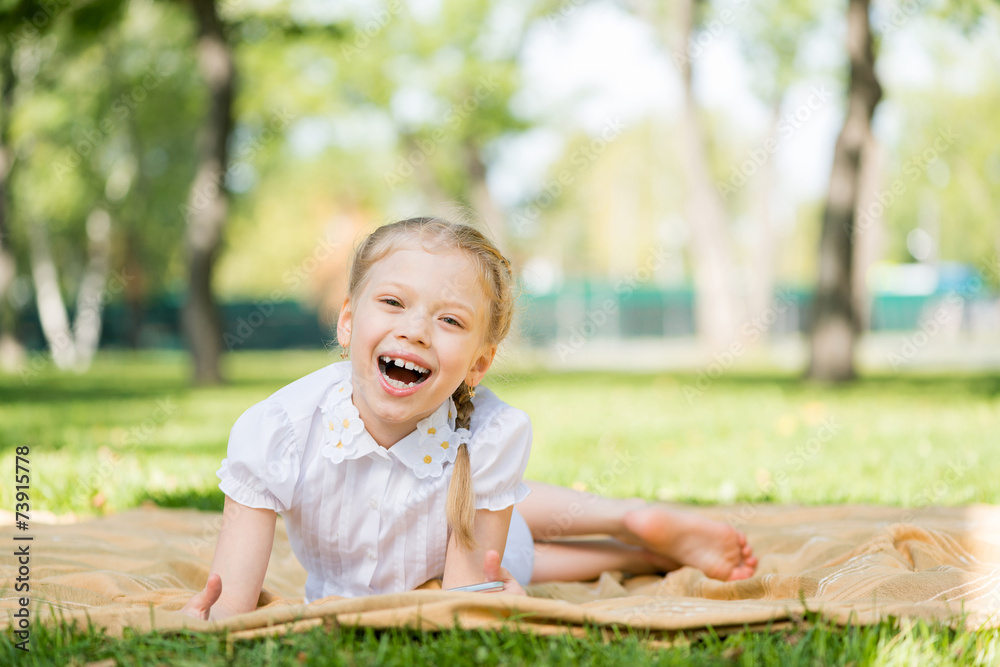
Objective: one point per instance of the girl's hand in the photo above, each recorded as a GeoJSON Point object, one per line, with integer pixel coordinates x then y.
{"type": "Point", "coordinates": [493, 572]}
{"type": "Point", "coordinates": [200, 606]}
{"type": "Point", "coordinates": [241, 557]}
{"type": "Point", "coordinates": [462, 568]}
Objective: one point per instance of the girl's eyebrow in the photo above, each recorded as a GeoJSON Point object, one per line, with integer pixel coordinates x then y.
{"type": "Point", "coordinates": [450, 303]}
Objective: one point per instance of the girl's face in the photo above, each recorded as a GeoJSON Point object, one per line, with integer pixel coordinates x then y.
{"type": "Point", "coordinates": [416, 331]}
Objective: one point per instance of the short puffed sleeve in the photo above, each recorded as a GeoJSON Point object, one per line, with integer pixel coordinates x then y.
{"type": "Point", "coordinates": [498, 455]}
{"type": "Point", "coordinates": [262, 461]}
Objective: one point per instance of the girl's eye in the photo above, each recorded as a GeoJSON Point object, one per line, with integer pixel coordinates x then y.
{"type": "Point", "coordinates": [452, 321]}
{"type": "Point", "coordinates": [390, 302]}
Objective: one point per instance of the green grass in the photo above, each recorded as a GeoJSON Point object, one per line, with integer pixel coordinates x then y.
{"type": "Point", "coordinates": [813, 644]}
{"type": "Point", "coordinates": [133, 429]}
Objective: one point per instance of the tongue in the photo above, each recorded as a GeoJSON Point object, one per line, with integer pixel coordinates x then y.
{"type": "Point", "coordinates": [401, 374]}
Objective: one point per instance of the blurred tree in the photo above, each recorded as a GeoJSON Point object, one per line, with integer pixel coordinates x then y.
{"type": "Point", "coordinates": [421, 95]}
{"type": "Point", "coordinates": [22, 22]}
{"type": "Point", "coordinates": [942, 193]}
{"type": "Point", "coordinates": [869, 230]}
{"type": "Point", "coordinates": [773, 36]}
{"type": "Point", "coordinates": [207, 205]}
{"type": "Point", "coordinates": [10, 348]}
{"type": "Point", "coordinates": [834, 325]}
{"type": "Point", "coordinates": [71, 346]}
{"type": "Point", "coordinates": [718, 309]}
{"type": "Point", "coordinates": [152, 60]}
{"type": "Point", "coordinates": [301, 202]}
{"type": "Point", "coordinates": [446, 81]}
{"type": "Point", "coordinates": [74, 347]}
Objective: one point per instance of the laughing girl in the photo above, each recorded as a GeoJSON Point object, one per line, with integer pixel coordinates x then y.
{"type": "Point", "coordinates": [396, 467]}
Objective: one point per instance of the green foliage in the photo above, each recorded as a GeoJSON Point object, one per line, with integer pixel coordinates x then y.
{"type": "Point", "coordinates": [943, 174]}
{"type": "Point", "coordinates": [395, 107]}
{"type": "Point", "coordinates": [105, 118]}
{"type": "Point", "coordinates": [91, 19]}
{"type": "Point", "coordinates": [108, 101]}
{"type": "Point", "coordinates": [774, 35]}
{"type": "Point", "coordinates": [445, 91]}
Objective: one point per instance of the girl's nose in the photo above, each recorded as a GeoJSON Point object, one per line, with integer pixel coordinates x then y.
{"type": "Point", "coordinates": [415, 328]}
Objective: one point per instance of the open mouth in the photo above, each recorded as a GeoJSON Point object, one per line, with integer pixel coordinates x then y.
{"type": "Point", "coordinates": [400, 373]}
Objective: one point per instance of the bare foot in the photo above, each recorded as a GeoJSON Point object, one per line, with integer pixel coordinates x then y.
{"type": "Point", "coordinates": [674, 538]}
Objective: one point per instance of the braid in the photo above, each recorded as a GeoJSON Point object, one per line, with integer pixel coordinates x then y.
{"type": "Point", "coordinates": [461, 508]}
{"type": "Point", "coordinates": [463, 403]}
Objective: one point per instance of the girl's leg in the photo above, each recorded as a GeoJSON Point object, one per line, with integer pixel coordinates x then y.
{"type": "Point", "coordinates": [667, 538]}
{"type": "Point", "coordinates": [554, 511]}
{"type": "Point", "coordinates": [585, 560]}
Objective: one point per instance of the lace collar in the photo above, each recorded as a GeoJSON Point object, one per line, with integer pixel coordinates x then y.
{"type": "Point", "coordinates": [425, 451]}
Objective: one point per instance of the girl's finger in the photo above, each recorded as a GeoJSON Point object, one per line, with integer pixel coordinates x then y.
{"type": "Point", "coordinates": [213, 591]}
{"type": "Point", "coordinates": [200, 605]}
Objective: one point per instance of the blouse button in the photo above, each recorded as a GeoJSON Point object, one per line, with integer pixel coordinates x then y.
{"type": "Point", "coordinates": [371, 555]}
{"type": "Point", "coordinates": [373, 502]}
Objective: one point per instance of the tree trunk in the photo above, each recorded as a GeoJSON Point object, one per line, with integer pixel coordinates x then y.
{"type": "Point", "coordinates": [760, 285]}
{"type": "Point", "coordinates": [72, 348]}
{"type": "Point", "coordinates": [206, 210]}
{"type": "Point", "coordinates": [834, 326]}
{"type": "Point", "coordinates": [482, 200]}
{"type": "Point", "coordinates": [89, 301]}
{"type": "Point", "coordinates": [869, 237]}
{"type": "Point", "coordinates": [134, 291]}
{"type": "Point", "coordinates": [51, 307]}
{"type": "Point", "coordinates": [6, 164]}
{"type": "Point", "coordinates": [717, 313]}
{"type": "Point", "coordinates": [10, 349]}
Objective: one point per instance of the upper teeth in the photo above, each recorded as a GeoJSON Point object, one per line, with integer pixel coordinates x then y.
{"type": "Point", "coordinates": [404, 364]}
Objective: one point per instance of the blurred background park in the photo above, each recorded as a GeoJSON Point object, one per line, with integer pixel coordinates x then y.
{"type": "Point", "coordinates": [705, 203]}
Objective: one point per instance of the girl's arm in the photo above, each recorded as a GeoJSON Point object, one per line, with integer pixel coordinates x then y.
{"type": "Point", "coordinates": [462, 568]}
{"type": "Point", "coordinates": [240, 560]}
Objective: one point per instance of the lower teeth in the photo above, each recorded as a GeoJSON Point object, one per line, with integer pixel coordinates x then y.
{"type": "Point", "coordinates": [399, 384]}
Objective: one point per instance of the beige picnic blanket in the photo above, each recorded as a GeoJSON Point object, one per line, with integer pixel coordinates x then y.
{"type": "Point", "coordinates": [849, 564]}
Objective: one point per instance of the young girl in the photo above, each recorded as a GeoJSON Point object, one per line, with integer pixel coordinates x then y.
{"type": "Point", "coordinates": [395, 467]}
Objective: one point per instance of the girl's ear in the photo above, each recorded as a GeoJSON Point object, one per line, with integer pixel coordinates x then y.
{"type": "Point", "coordinates": [344, 323]}
{"type": "Point", "coordinates": [480, 365]}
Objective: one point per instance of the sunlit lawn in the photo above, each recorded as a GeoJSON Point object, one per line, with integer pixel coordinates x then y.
{"type": "Point", "coordinates": [133, 429]}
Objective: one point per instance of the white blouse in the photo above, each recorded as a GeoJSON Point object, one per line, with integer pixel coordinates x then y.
{"type": "Point", "coordinates": [363, 519]}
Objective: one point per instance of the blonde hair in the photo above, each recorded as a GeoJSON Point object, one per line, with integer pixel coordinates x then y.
{"type": "Point", "coordinates": [434, 234]}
